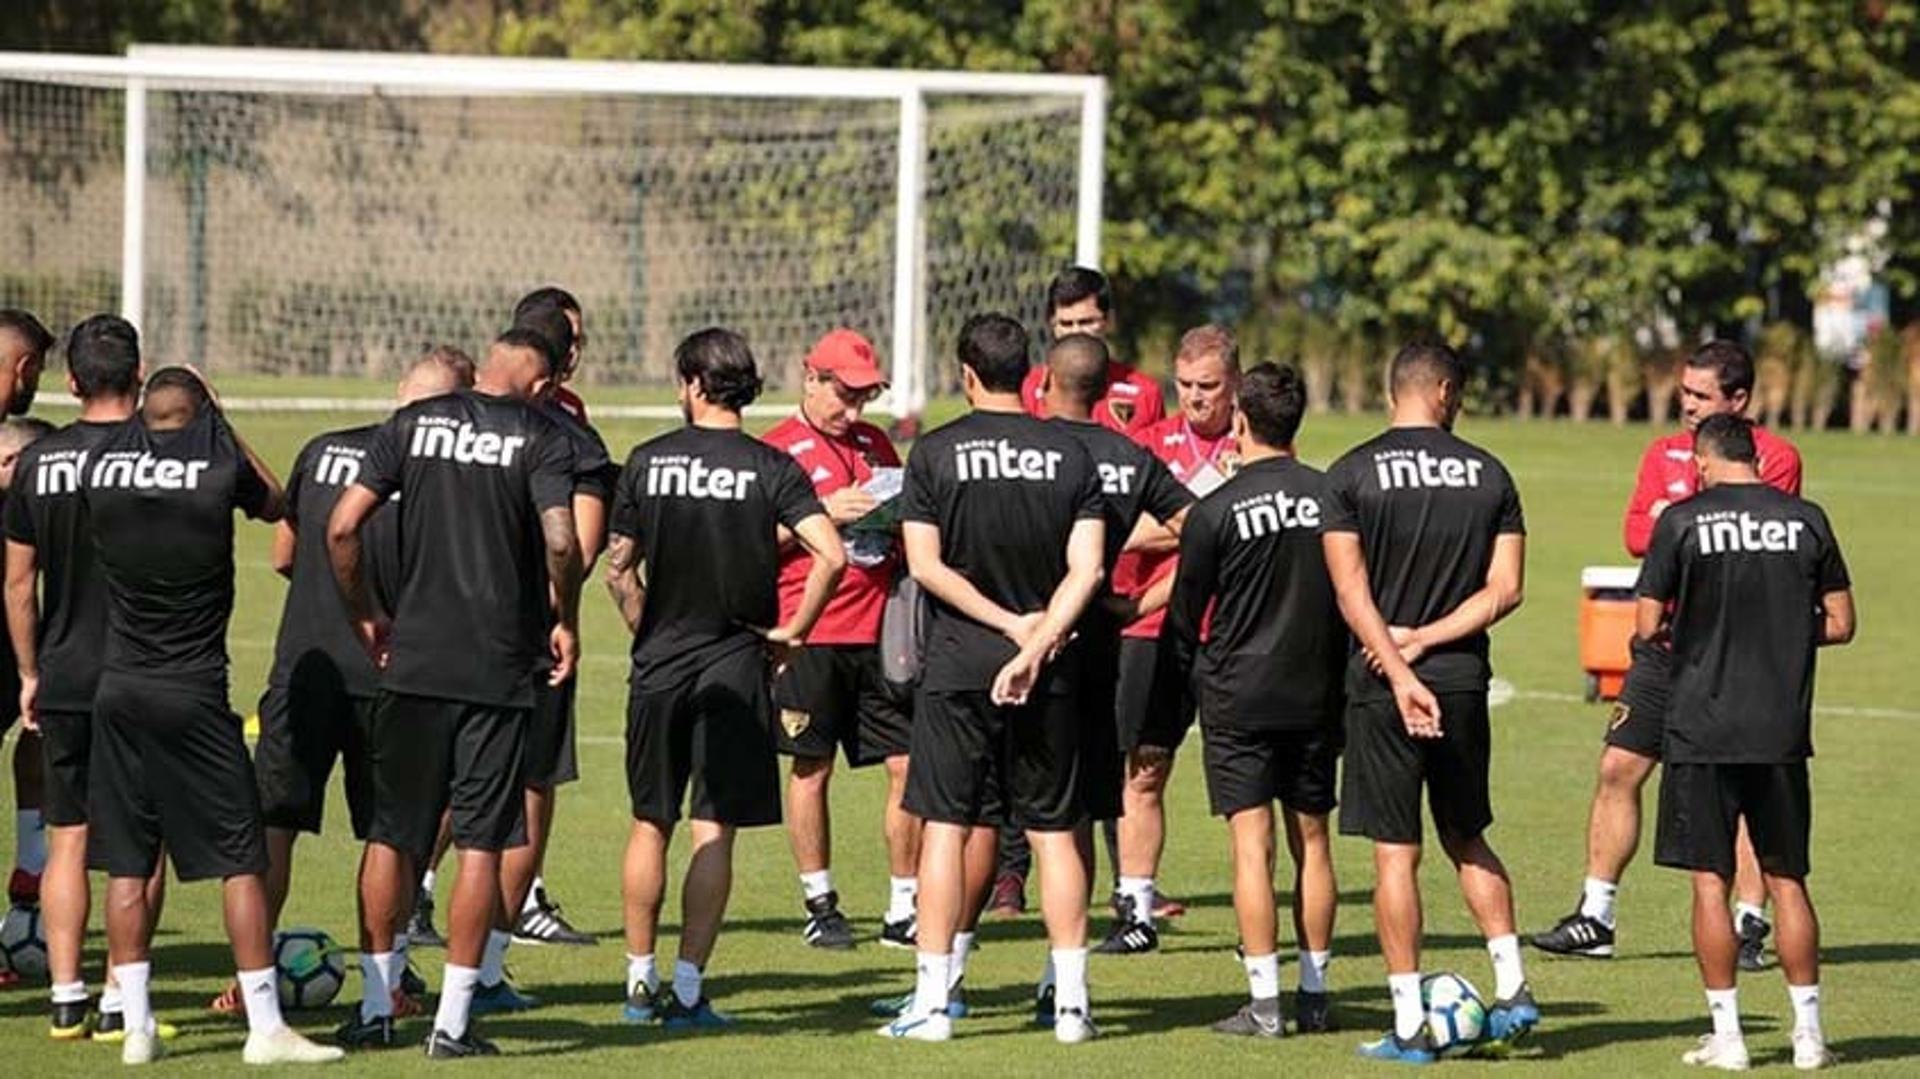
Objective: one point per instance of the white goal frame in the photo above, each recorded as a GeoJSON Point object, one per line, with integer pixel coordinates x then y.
{"type": "Point", "coordinates": [194, 67]}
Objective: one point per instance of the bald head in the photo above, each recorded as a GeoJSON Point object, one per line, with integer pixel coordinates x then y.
{"type": "Point", "coordinates": [174, 396]}
{"type": "Point", "coordinates": [1077, 372]}
{"type": "Point", "coordinates": [442, 370]}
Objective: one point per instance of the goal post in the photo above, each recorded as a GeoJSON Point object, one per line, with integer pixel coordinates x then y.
{"type": "Point", "coordinates": [326, 213]}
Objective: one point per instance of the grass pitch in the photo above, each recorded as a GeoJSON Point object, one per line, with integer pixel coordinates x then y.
{"type": "Point", "coordinates": [803, 1011]}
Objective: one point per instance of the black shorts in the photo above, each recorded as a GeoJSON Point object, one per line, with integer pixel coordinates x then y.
{"type": "Point", "coordinates": [1151, 706]}
{"type": "Point", "coordinates": [169, 764]}
{"type": "Point", "coordinates": [975, 762]}
{"type": "Point", "coordinates": [1386, 768]}
{"type": "Point", "coordinates": [66, 742]}
{"type": "Point", "coordinates": [835, 696]}
{"type": "Point", "coordinates": [1701, 806]}
{"type": "Point", "coordinates": [1250, 767]}
{"type": "Point", "coordinates": [711, 733]}
{"type": "Point", "coordinates": [304, 728]}
{"type": "Point", "coordinates": [1638, 723]}
{"type": "Point", "coordinates": [551, 756]}
{"type": "Point", "coordinates": [1103, 765]}
{"type": "Point", "coordinates": [432, 756]}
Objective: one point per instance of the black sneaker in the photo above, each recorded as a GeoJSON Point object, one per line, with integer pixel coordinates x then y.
{"type": "Point", "coordinates": [826, 926]}
{"type": "Point", "coordinates": [444, 1046]}
{"type": "Point", "coordinates": [358, 1033]}
{"type": "Point", "coordinates": [70, 1020]}
{"type": "Point", "coordinates": [1043, 1008]}
{"type": "Point", "coordinates": [904, 933]}
{"type": "Point", "coordinates": [1576, 934]}
{"type": "Point", "coordinates": [542, 924]}
{"type": "Point", "coordinates": [1753, 942]}
{"type": "Point", "coordinates": [1312, 1012]}
{"type": "Point", "coordinates": [420, 930]}
{"type": "Point", "coordinates": [1256, 1019]}
{"type": "Point", "coordinates": [1129, 937]}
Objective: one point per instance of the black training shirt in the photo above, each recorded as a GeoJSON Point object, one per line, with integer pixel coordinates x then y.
{"type": "Point", "coordinates": [1745, 567]}
{"type": "Point", "coordinates": [1428, 507]}
{"type": "Point", "coordinates": [594, 476]}
{"type": "Point", "coordinates": [703, 506]}
{"type": "Point", "coordinates": [1132, 481]}
{"type": "Point", "coordinates": [1252, 571]}
{"type": "Point", "coordinates": [1005, 490]}
{"type": "Point", "coordinates": [473, 472]}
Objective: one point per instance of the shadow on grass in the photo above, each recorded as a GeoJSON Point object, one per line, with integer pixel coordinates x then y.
{"type": "Point", "coordinates": [1857, 1050]}
{"type": "Point", "coordinates": [1553, 1041]}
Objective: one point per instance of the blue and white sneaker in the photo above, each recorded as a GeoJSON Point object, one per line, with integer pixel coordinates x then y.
{"type": "Point", "coordinates": [697, 1016]}
{"type": "Point", "coordinates": [919, 1028]}
{"type": "Point", "coordinates": [640, 1004]}
{"type": "Point", "coordinates": [1509, 1020]}
{"type": "Point", "coordinates": [501, 997]}
{"type": "Point", "coordinates": [894, 1007]}
{"type": "Point", "coordinates": [1415, 1050]}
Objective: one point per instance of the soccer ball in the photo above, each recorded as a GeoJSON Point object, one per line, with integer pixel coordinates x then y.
{"type": "Point", "coordinates": [23, 942]}
{"type": "Point", "coordinates": [309, 966]}
{"type": "Point", "coordinates": [1456, 1016]}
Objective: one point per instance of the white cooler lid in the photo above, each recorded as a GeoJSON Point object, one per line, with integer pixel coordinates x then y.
{"type": "Point", "coordinates": [1623, 578]}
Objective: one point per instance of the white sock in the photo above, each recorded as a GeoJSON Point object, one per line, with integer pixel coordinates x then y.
{"type": "Point", "coordinates": [534, 893]}
{"type": "Point", "coordinates": [687, 982]}
{"type": "Point", "coordinates": [1408, 1014]}
{"type": "Point", "coordinates": [957, 963]}
{"type": "Point", "coordinates": [1140, 890]}
{"type": "Point", "coordinates": [456, 999]}
{"type": "Point", "coordinates": [69, 992]}
{"type": "Point", "coordinates": [261, 995]}
{"type": "Point", "coordinates": [376, 998]}
{"type": "Point", "coordinates": [1508, 976]}
{"type": "Point", "coordinates": [30, 841]}
{"type": "Point", "coordinates": [133, 994]}
{"type": "Point", "coordinates": [111, 1002]}
{"type": "Point", "coordinates": [931, 980]}
{"type": "Point", "coordinates": [1313, 971]}
{"type": "Point", "coordinates": [1263, 976]}
{"type": "Point", "coordinates": [902, 893]}
{"type": "Point", "coordinates": [493, 962]}
{"type": "Point", "coordinates": [641, 971]}
{"type": "Point", "coordinates": [1743, 911]}
{"type": "Point", "coordinates": [426, 883]}
{"type": "Point", "coordinates": [1070, 980]}
{"type": "Point", "coordinates": [1724, 1006]}
{"type": "Point", "coordinates": [396, 966]}
{"type": "Point", "coordinates": [1806, 1007]}
{"type": "Point", "coordinates": [817, 883]}
{"type": "Point", "coordinates": [1596, 900]}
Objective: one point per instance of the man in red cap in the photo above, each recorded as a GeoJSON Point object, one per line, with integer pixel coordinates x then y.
{"type": "Point", "coordinates": [832, 693]}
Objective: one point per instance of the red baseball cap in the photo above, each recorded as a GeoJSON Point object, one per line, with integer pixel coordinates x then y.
{"type": "Point", "coordinates": [847, 356]}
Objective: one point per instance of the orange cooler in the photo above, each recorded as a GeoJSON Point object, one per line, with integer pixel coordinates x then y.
{"type": "Point", "coordinates": [1606, 627]}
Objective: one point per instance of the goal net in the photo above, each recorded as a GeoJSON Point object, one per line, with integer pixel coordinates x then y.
{"type": "Point", "coordinates": [331, 214]}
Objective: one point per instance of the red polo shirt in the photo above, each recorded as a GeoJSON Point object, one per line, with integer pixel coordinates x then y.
{"type": "Point", "coordinates": [853, 614]}
{"type": "Point", "coordinates": [1667, 472]}
{"type": "Point", "coordinates": [1133, 402]}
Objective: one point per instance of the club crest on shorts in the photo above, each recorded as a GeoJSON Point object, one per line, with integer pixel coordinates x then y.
{"type": "Point", "coordinates": [795, 721]}
{"type": "Point", "coordinates": [1622, 711]}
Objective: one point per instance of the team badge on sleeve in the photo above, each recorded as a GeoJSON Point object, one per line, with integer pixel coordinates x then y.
{"type": "Point", "coordinates": [795, 721]}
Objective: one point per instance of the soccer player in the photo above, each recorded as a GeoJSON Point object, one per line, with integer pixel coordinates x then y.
{"type": "Point", "coordinates": [1751, 583]}
{"type": "Point", "coordinates": [1426, 546]}
{"type": "Point", "coordinates": [1002, 524]}
{"type": "Point", "coordinates": [168, 762]}
{"type": "Point", "coordinates": [692, 566]}
{"type": "Point", "coordinates": [1717, 380]}
{"type": "Point", "coordinates": [1267, 677]}
{"type": "Point", "coordinates": [1079, 300]}
{"type": "Point", "coordinates": [30, 837]}
{"type": "Point", "coordinates": [833, 693]}
{"type": "Point", "coordinates": [23, 354]}
{"type": "Point", "coordinates": [489, 580]}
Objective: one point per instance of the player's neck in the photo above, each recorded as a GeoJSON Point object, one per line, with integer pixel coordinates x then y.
{"type": "Point", "coordinates": [713, 418]}
{"type": "Point", "coordinates": [1254, 451]}
{"type": "Point", "coordinates": [998, 402]}
{"type": "Point", "coordinates": [1071, 411]}
{"type": "Point", "coordinates": [106, 409]}
{"type": "Point", "coordinates": [1413, 417]}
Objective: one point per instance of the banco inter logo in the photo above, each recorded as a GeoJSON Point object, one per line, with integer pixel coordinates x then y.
{"type": "Point", "coordinates": [998, 459]}
{"type": "Point", "coordinates": [1274, 511]}
{"type": "Point", "coordinates": [1730, 532]}
{"type": "Point", "coordinates": [1116, 479]}
{"type": "Point", "coordinates": [141, 471]}
{"type": "Point", "coordinates": [338, 466]}
{"type": "Point", "coordinates": [59, 473]}
{"type": "Point", "coordinates": [455, 440]}
{"type": "Point", "coordinates": [1413, 469]}
{"type": "Point", "coordinates": [681, 476]}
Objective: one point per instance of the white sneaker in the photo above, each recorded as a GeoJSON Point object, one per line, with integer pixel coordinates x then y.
{"type": "Point", "coordinates": [1810, 1052]}
{"type": "Point", "coordinates": [1727, 1052]}
{"type": "Point", "coordinates": [287, 1046]}
{"type": "Point", "coordinates": [142, 1047]}
{"type": "Point", "coordinates": [916, 1027]}
{"type": "Point", "coordinates": [1071, 1026]}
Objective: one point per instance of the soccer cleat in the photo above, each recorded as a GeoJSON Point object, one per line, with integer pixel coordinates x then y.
{"type": "Point", "coordinates": [894, 1007]}
{"type": "Point", "coordinates": [1810, 1052]}
{"type": "Point", "coordinates": [904, 933]}
{"type": "Point", "coordinates": [640, 1004]}
{"type": "Point", "coordinates": [1009, 899]}
{"type": "Point", "coordinates": [1753, 942]}
{"type": "Point", "coordinates": [1509, 1020]}
{"type": "Point", "coordinates": [1129, 935]}
{"type": "Point", "coordinates": [1726, 1052]}
{"type": "Point", "coordinates": [1073, 1026]}
{"type": "Point", "coordinates": [826, 927]}
{"type": "Point", "coordinates": [1415, 1050]}
{"type": "Point", "coordinates": [1576, 934]}
{"type": "Point", "coordinates": [1254, 1020]}
{"type": "Point", "coordinates": [542, 924]}
{"type": "Point", "coordinates": [500, 997]}
{"type": "Point", "coordinates": [287, 1046]}
{"type": "Point", "coordinates": [1043, 1007]}
{"type": "Point", "coordinates": [69, 1020]}
{"type": "Point", "coordinates": [358, 1033]}
{"type": "Point", "coordinates": [697, 1016]}
{"type": "Point", "coordinates": [919, 1028]}
{"type": "Point", "coordinates": [111, 1027]}
{"type": "Point", "coordinates": [1312, 1012]}
{"type": "Point", "coordinates": [23, 888]}
{"type": "Point", "coordinates": [141, 1047]}
{"type": "Point", "coordinates": [420, 930]}
{"type": "Point", "coordinates": [444, 1046]}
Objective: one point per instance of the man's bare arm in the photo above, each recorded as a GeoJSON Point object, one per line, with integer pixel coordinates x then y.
{"type": "Point", "coordinates": [356, 504]}
{"type": "Point", "coordinates": [1086, 555]}
{"type": "Point", "coordinates": [1156, 536]}
{"type": "Point", "coordinates": [1498, 598]}
{"type": "Point", "coordinates": [623, 579]}
{"type": "Point", "coordinates": [1347, 567]}
{"type": "Point", "coordinates": [590, 524]}
{"type": "Point", "coordinates": [821, 540]}
{"type": "Point", "coordinates": [1837, 628]}
{"type": "Point", "coordinates": [23, 622]}
{"type": "Point", "coordinates": [1648, 616]}
{"type": "Point", "coordinates": [564, 565]}
{"type": "Point", "coordinates": [922, 543]}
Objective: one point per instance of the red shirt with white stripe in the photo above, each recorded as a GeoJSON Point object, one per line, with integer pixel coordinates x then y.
{"type": "Point", "coordinates": [1200, 463]}
{"type": "Point", "coordinates": [1133, 402]}
{"type": "Point", "coordinates": [1667, 473]}
{"type": "Point", "coordinates": [853, 614]}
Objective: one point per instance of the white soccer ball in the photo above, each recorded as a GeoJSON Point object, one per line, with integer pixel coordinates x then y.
{"type": "Point", "coordinates": [309, 966]}
{"type": "Point", "coordinates": [23, 942]}
{"type": "Point", "coordinates": [1456, 1016]}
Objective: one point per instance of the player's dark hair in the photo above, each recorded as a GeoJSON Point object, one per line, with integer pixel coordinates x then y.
{"type": "Point", "coordinates": [1730, 363]}
{"type": "Point", "coordinates": [546, 296]}
{"type": "Point", "coordinates": [1273, 399]}
{"type": "Point", "coordinates": [1077, 364]}
{"type": "Point", "coordinates": [549, 322]}
{"type": "Point", "coordinates": [994, 347]}
{"type": "Point", "coordinates": [1211, 339]}
{"type": "Point", "coordinates": [1727, 437]}
{"type": "Point", "coordinates": [1076, 283]}
{"type": "Point", "coordinates": [533, 341]}
{"type": "Point", "coordinates": [103, 356]}
{"type": "Point", "coordinates": [719, 361]}
{"type": "Point", "coordinates": [1424, 363]}
{"type": "Point", "coordinates": [30, 329]}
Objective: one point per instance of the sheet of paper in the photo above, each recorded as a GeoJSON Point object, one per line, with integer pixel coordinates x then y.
{"type": "Point", "coordinates": [886, 483]}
